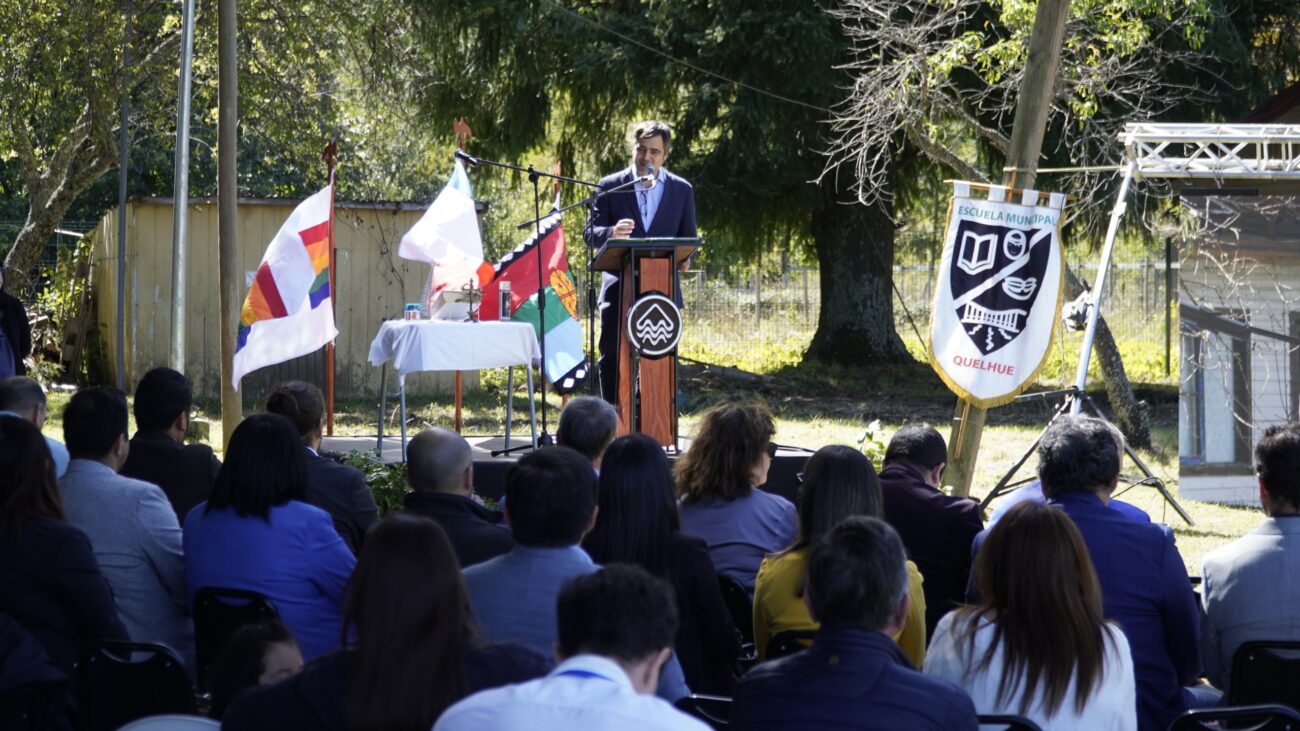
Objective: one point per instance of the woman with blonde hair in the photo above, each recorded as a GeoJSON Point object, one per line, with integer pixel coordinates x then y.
{"type": "Point", "coordinates": [716, 478]}
{"type": "Point", "coordinates": [1038, 645]}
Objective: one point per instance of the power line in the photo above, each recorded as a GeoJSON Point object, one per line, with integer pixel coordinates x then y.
{"type": "Point", "coordinates": [679, 61]}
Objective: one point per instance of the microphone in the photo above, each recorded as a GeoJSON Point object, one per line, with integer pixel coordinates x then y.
{"type": "Point", "coordinates": [649, 177]}
{"type": "Point", "coordinates": [467, 158]}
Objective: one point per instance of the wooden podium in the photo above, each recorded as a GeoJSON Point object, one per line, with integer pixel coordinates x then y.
{"type": "Point", "coordinates": [647, 380]}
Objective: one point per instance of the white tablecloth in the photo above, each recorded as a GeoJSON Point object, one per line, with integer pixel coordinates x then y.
{"type": "Point", "coordinates": [436, 345]}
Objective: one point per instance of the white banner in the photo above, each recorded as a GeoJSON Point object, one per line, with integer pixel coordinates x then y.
{"type": "Point", "coordinates": [999, 292]}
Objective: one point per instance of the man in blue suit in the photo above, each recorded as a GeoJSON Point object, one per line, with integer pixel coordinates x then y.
{"type": "Point", "coordinates": [1144, 584]}
{"type": "Point", "coordinates": [649, 202]}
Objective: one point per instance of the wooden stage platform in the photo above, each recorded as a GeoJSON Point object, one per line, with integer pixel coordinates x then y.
{"type": "Point", "coordinates": [490, 471]}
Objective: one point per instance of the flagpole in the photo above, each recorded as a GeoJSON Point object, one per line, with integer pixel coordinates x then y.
{"type": "Point", "coordinates": [329, 155]}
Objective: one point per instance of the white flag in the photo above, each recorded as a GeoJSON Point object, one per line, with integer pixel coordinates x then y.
{"type": "Point", "coordinates": [447, 237]}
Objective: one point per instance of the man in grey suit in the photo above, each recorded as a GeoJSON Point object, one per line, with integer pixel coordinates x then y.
{"type": "Point", "coordinates": [1246, 585]}
{"type": "Point", "coordinates": [550, 505]}
{"type": "Point", "coordinates": [131, 526]}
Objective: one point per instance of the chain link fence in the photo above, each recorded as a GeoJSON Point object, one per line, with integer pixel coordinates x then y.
{"type": "Point", "coordinates": [762, 323]}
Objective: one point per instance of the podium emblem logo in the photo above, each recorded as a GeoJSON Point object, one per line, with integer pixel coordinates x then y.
{"type": "Point", "coordinates": [654, 325]}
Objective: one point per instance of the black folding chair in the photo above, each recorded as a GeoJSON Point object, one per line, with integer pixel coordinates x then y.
{"type": "Point", "coordinates": [1009, 722]}
{"type": "Point", "coordinates": [1270, 717]}
{"type": "Point", "coordinates": [713, 710]}
{"type": "Point", "coordinates": [1266, 671]}
{"type": "Point", "coordinates": [118, 682]}
{"type": "Point", "coordinates": [789, 642]}
{"type": "Point", "coordinates": [218, 613]}
{"type": "Point", "coordinates": [739, 604]}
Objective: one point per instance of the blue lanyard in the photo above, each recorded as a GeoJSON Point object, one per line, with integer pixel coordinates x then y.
{"type": "Point", "coordinates": [582, 674]}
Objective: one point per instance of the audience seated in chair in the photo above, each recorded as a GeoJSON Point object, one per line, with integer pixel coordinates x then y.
{"type": "Point", "coordinates": [838, 482]}
{"type": "Point", "coordinates": [159, 454]}
{"type": "Point", "coordinates": [587, 426]}
{"type": "Point", "coordinates": [131, 526]}
{"type": "Point", "coordinates": [440, 471]}
{"type": "Point", "coordinates": [336, 488]}
{"type": "Point", "coordinates": [415, 653]}
{"type": "Point", "coordinates": [256, 533]}
{"type": "Point", "coordinates": [1037, 646]}
{"type": "Point", "coordinates": [1246, 586]}
{"type": "Point", "coordinates": [937, 529]}
{"type": "Point", "coordinates": [728, 458]}
{"type": "Point", "coordinates": [637, 523]}
{"type": "Point", "coordinates": [615, 629]}
{"type": "Point", "coordinates": [256, 654]}
{"type": "Point", "coordinates": [1144, 584]}
{"type": "Point", "coordinates": [50, 582]}
{"type": "Point", "coordinates": [22, 397]}
{"type": "Point", "coordinates": [550, 506]}
{"type": "Point", "coordinates": [854, 676]}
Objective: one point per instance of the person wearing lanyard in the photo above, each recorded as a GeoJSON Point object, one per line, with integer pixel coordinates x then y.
{"type": "Point", "coordinates": [616, 628]}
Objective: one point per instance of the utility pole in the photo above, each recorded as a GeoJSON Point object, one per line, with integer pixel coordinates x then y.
{"type": "Point", "coordinates": [181, 192]}
{"type": "Point", "coordinates": [123, 170]}
{"type": "Point", "coordinates": [227, 209]}
{"type": "Point", "coordinates": [1032, 107]}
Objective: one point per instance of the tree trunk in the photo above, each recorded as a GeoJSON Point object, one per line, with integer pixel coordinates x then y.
{"type": "Point", "coordinates": [855, 255]}
{"type": "Point", "coordinates": [1133, 417]}
{"type": "Point", "coordinates": [51, 192]}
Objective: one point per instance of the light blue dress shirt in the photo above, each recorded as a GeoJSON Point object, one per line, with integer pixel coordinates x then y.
{"type": "Point", "coordinates": [647, 199]}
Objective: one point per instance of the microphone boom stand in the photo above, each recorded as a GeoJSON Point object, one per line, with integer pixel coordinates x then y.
{"type": "Point", "coordinates": [534, 177]}
{"type": "Point", "coordinates": [592, 305]}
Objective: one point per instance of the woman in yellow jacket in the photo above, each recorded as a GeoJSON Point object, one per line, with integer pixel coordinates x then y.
{"type": "Point", "coordinates": [838, 482]}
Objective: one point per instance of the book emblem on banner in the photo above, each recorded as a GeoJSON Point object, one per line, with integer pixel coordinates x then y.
{"type": "Point", "coordinates": [654, 325]}
{"type": "Point", "coordinates": [994, 280]}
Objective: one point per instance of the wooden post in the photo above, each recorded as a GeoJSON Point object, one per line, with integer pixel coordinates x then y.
{"type": "Point", "coordinates": [460, 404]}
{"type": "Point", "coordinates": [1032, 107]}
{"type": "Point", "coordinates": [227, 210]}
{"type": "Point", "coordinates": [330, 155]}
{"type": "Point", "coordinates": [463, 133]}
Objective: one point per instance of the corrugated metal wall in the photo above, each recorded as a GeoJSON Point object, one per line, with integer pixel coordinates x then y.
{"type": "Point", "coordinates": [373, 285]}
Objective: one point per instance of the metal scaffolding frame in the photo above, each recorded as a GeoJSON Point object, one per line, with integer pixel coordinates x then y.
{"type": "Point", "coordinates": [1174, 151]}
{"type": "Point", "coordinates": [1189, 152]}
{"type": "Point", "coordinates": [1213, 151]}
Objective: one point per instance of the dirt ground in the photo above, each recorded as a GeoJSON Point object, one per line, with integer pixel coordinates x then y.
{"type": "Point", "coordinates": [897, 394]}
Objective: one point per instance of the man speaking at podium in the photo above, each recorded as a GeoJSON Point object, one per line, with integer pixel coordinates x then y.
{"type": "Point", "coordinates": [650, 202]}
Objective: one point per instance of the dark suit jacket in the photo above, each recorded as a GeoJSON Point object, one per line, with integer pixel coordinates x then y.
{"type": "Point", "coordinates": [342, 492]}
{"type": "Point", "coordinates": [1145, 590]}
{"type": "Point", "coordinates": [707, 641]}
{"type": "Point", "coordinates": [848, 679]}
{"type": "Point", "coordinates": [937, 531]}
{"type": "Point", "coordinates": [475, 532]}
{"type": "Point", "coordinates": [185, 472]}
{"type": "Point", "coordinates": [51, 584]}
{"type": "Point", "coordinates": [13, 318]}
{"type": "Point", "coordinates": [675, 216]}
{"type": "Point", "coordinates": [315, 698]}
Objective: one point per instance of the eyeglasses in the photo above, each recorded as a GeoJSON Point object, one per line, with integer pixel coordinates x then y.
{"type": "Point", "coordinates": [771, 450]}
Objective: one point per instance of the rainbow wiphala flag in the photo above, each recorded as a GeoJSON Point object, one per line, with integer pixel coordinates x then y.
{"type": "Point", "coordinates": [288, 311]}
